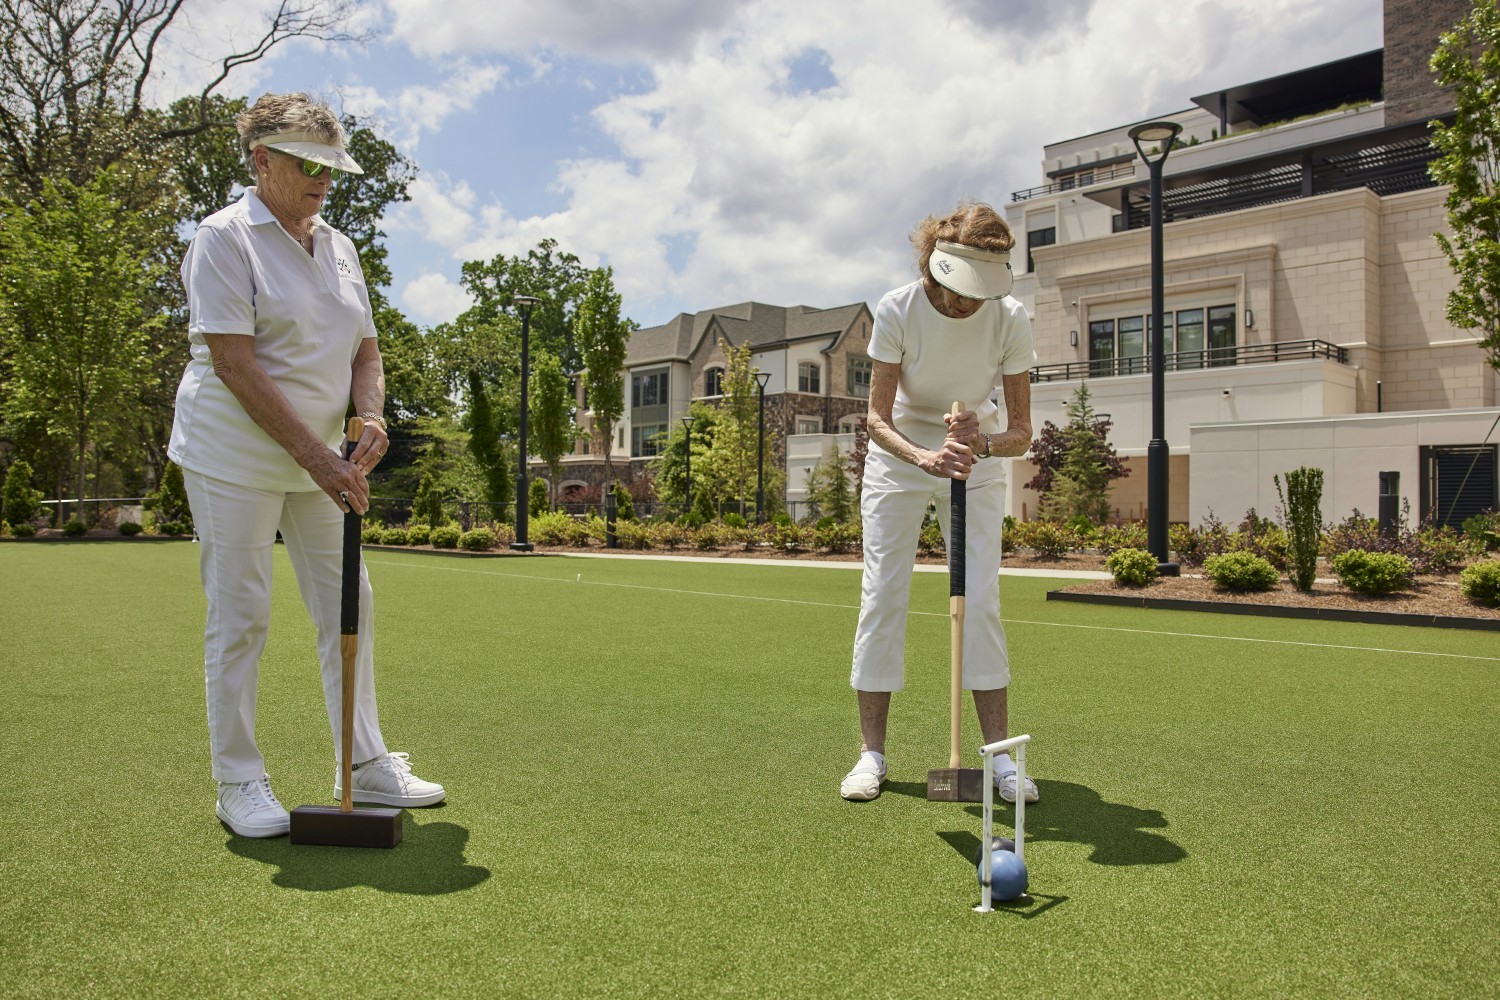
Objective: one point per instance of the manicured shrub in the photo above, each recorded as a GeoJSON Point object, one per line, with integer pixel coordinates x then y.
{"type": "Point", "coordinates": [1242, 572]}
{"type": "Point", "coordinates": [550, 528]}
{"type": "Point", "coordinates": [1484, 530]}
{"type": "Point", "coordinates": [170, 501]}
{"type": "Point", "coordinates": [19, 503]}
{"type": "Point", "coordinates": [504, 535]}
{"type": "Point", "coordinates": [4, 527]}
{"type": "Point", "coordinates": [1265, 538]}
{"type": "Point", "coordinates": [1195, 546]}
{"type": "Point", "coordinates": [418, 534]}
{"type": "Point", "coordinates": [582, 533]}
{"type": "Point", "coordinates": [789, 537]}
{"type": "Point", "coordinates": [394, 536]}
{"type": "Point", "coordinates": [930, 539]}
{"type": "Point", "coordinates": [1302, 503]}
{"type": "Point", "coordinates": [670, 535]}
{"type": "Point", "coordinates": [129, 528]}
{"type": "Point", "coordinates": [1084, 530]}
{"type": "Point", "coordinates": [634, 534]}
{"type": "Point", "coordinates": [1442, 549]}
{"type": "Point", "coordinates": [1131, 567]}
{"type": "Point", "coordinates": [172, 528]}
{"type": "Point", "coordinates": [1111, 538]}
{"type": "Point", "coordinates": [24, 530]}
{"type": "Point", "coordinates": [446, 537]}
{"type": "Point", "coordinates": [713, 535]}
{"type": "Point", "coordinates": [537, 498]}
{"type": "Point", "coordinates": [477, 540]}
{"type": "Point", "coordinates": [1008, 535]}
{"type": "Point", "coordinates": [75, 528]}
{"type": "Point", "coordinates": [734, 520]}
{"type": "Point", "coordinates": [1048, 539]}
{"type": "Point", "coordinates": [1481, 583]}
{"type": "Point", "coordinates": [1374, 573]}
{"type": "Point", "coordinates": [371, 534]}
{"type": "Point", "coordinates": [836, 537]}
{"type": "Point", "coordinates": [624, 505]}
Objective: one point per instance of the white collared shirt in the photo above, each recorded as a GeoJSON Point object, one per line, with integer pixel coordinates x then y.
{"type": "Point", "coordinates": [245, 274]}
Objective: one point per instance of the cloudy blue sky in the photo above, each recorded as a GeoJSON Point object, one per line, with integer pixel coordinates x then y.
{"type": "Point", "coordinates": [713, 151]}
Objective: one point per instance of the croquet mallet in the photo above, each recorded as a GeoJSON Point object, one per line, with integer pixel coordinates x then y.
{"type": "Point", "coordinates": [954, 783]}
{"type": "Point", "coordinates": [343, 825]}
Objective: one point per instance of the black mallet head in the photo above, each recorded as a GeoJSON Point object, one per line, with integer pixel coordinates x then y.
{"type": "Point", "coordinates": [955, 784]}
{"type": "Point", "coordinates": [330, 826]}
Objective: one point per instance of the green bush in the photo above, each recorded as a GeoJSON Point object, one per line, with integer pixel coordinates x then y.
{"type": "Point", "coordinates": [670, 535]}
{"type": "Point", "coordinates": [635, 534]}
{"type": "Point", "coordinates": [477, 540]}
{"type": "Point", "coordinates": [1131, 567]}
{"type": "Point", "coordinates": [624, 506]}
{"type": "Point", "coordinates": [930, 539]}
{"type": "Point", "coordinates": [172, 528]}
{"type": "Point", "coordinates": [1374, 573]}
{"type": "Point", "coordinates": [789, 537]}
{"type": "Point", "coordinates": [1048, 539]}
{"type": "Point", "coordinates": [538, 497]}
{"type": "Point", "coordinates": [428, 504]}
{"type": "Point", "coordinates": [713, 535]}
{"type": "Point", "coordinates": [582, 533]}
{"type": "Point", "coordinates": [836, 537]}
{"type": "Point", "coordinates": [1008, 535]}
{"type": "Point", "coordinates": [1484, 529]}
{"type": "Point", "coordinates": [734, 520]}
{"type": "Point", "coordinates": [1481, 583]}
{"type": "Point", "coordinates": [371, 534]}
{"type": "Point", "coordinates": [4, 527]}
{"type": "Point", "coordinates": [20, 504]}
{"type": "Point", "coordinates": [170, 501]}
{"type": "Point", "coordinates": [24, 530]}
{"type": "Point", "coordinates": [1111, 538]}
{"type": "Point", "coordinates": [129, 528]}
{"type": "Point", "coordinates": [1302, 503]}
{"type": "Point", "coordinates": [1242, 572]}
{"type": "Point", "coordinates": [1082, 527]}
{"type": "Point", "coordinates": [1443, 549]}
{"type": "Point", "coordinates": [446, 537]}
{"type": "Point", "coordinates": [550, 528]}
{"type": "Point", "coordinates": [504, 535]}
{"type": "Point", "coordinates": [418, 534]}
{"type": "Point", "coordinates": [394, 536]}
{"type": "Point", "coordinates": [75, 528]}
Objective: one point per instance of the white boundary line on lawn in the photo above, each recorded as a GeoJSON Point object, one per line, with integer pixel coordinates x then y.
{"type": "Point", "coordinates": [942, 614]}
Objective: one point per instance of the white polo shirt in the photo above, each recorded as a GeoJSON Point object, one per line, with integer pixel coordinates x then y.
{"type": "Point", "coordinates": [944, 359]}
{"type": "Point", "coordinates": [245, 274]}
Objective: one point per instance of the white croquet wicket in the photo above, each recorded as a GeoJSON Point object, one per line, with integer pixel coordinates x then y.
{"type": "Point", "coordinates": [986, 865]}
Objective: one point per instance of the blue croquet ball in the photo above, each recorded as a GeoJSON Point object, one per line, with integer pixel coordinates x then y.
{"type": "Point", "coordinates": [1007, 878]}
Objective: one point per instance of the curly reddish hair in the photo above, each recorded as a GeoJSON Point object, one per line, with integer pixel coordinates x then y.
{"type": "Point", "coordinates": [973, 224]}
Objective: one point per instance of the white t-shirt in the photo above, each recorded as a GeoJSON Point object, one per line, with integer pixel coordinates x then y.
{"type": "Point", "coordinates": [245, 274]}
{"type": "Point", "coordinates": [943, 360]}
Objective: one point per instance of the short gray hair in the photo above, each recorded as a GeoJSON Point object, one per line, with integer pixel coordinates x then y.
{"type": "Point", "coordinates": [274, 113]}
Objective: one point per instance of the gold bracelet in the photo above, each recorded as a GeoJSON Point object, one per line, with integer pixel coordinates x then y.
{"type": "Point", "coordinates": [988, 446]}
{"type": "Point", "coordinates": [374, 418]}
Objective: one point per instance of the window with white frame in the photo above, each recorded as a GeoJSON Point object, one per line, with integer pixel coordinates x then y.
{"type": "Point", "coordinates": [859, 377]}
{"type": "Point", "coordinates": [809, 377]}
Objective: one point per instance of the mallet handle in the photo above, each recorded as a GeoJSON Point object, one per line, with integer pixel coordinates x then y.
{"type": "Point", "coordinates": [349, 629]}
{"type": "Point", "coordinates": [957, 549]}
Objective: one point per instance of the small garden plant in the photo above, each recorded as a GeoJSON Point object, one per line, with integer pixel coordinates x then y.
{"type": "Point", "coordinates": [1374, 574]}
{"type": "Point", "coordinates": [1131, 567]}
{"type": "Point", "coordinates": [1242, 572]}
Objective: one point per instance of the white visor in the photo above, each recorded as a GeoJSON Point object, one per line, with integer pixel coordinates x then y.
{"type": "Point", "coordinates": [971, 272]}
{"type": "Point", "coordinates": [310, 146]}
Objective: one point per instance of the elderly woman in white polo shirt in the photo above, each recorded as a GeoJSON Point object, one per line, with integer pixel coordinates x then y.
{"type": "Point", "coordinates": [953, 334]}
{"type": "Point", "coordinates": [282, 341]}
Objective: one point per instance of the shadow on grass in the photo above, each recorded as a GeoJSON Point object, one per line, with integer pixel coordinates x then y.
{"type": "Point", "coordinates": [429, 861]}
{"type": "Point", "coordinates": [1119, 834]}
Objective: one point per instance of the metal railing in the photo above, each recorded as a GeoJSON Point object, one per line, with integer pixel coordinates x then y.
{"type": "Point", "coordinates": [1073, 184]}
{"type": "Point", "coordinates": [1218, 357]}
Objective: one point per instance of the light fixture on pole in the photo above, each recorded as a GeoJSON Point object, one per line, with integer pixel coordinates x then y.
{"type": "Point", "coordinates": [760, 449]}
{"type": "Point", "coordinates": [1160, 136]}
{"type": "Point", "coordinates": [524, 303]}
{"type": "Point", "coordinates": [687, 454]}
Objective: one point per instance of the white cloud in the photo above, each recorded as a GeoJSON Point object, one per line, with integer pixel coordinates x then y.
{"type": "Point", "coordinates": [431, 298]}
{"type": "Point", "coordinates": [792, 197]}
{"type": "Point", "coordinates": [420, 108]}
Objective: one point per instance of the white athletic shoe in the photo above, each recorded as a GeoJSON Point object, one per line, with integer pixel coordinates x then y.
{"type": "Point", "coordinates": [1005, 784]}
{"type": "Point", "coordinates": [863, 783]}
{"type": "Point", "coordinates": [388, 781]}
{"type": "Point", "coordinates": [251, 809]}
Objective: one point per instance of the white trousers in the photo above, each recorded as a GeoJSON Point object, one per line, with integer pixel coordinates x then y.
{"type": "Point", "coordinates": [893, 510]}
{"type": "Point", "coordinates": [237, 528]}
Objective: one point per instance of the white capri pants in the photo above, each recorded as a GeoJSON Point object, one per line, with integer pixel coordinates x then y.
{"type": "Point", "coordinates": [893, 509]}
{"type": "Point", "coordinates": [237, 528]}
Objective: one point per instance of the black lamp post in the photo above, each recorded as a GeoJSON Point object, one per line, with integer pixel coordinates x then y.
{"type": "Point", "coordinates": [525, 303]}
{"type": "Point", "coordinates": [760, 447]}
{"type": "Point", "coordinates": [1162, 135]}
{"type": "Point", "coordinates": [687, 454]}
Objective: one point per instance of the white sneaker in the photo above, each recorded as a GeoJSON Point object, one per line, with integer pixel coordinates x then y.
{"type": "Point", "coordinates": [1005, 783]}
{"type": "Point", "coordinates": [251, 809]}
{"type": "Point", "coordinates": [388, 781]}
{"type": "Point", "coordinates": [863, 783]}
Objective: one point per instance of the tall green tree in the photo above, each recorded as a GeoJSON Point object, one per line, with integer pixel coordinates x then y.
{"type": "Point", "coordinates": [602, 336]}
{"type": "Point", "coordinates": [1468, 60]}
{"type": "Point", "coordinates": [1076, 464]}
{"type": "Point", "coordinates": [556, 277]}
{"type": "Point", "coordinates": [551, 431]}
{"type": "Point", "coordinates": [828, 489]}
{"type": "Point", "coordinates": [729, 465]}
{"type": "Point", "coordinates": [675, 464]}
{"type": "Point", "coordinates": [75, 271]}
{"type": "Point", "coordinates": [488, 446]}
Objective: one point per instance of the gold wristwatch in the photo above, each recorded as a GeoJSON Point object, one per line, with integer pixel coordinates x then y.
{"type": "Point", "coordinates": [373, 418]}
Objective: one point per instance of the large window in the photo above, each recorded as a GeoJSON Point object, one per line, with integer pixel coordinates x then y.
{"type": "Point", "coordinates": [713, 382]}
{"type": "Point", "coordinates": [1101, 347]}
{"type": "Point", "coordinates": [649, 389]}
{"type": "Point", "coordinates": [859, 377]}
{"type": "Point", "coordinates": [1038, 238]}
{"type": "Point", "coordinates": [1132, 346]}
{"type": "Point", "coordinates": [809, 377]}
{"type": "Point", "coordinates": [1221, 335]}
{"type": "Point", "coordinates": [1194, 338]}
{"type": "Point", "coordinates": [1190, 342]}
{"type": "Point", "coordinates": [647, 440]}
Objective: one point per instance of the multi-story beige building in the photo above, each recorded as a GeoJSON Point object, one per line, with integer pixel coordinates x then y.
{"type": "Point", "coordinates": [1304, 312]}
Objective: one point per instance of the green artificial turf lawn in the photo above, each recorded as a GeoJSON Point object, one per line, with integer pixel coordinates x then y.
{"type": "Point", "coordinates": [643, 759]}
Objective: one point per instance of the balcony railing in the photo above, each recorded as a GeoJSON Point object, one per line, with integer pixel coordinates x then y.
{"type": "Point", "coordinates": [1073, 183]}
{"type": "Point", "coordinates": [1218, 357]}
